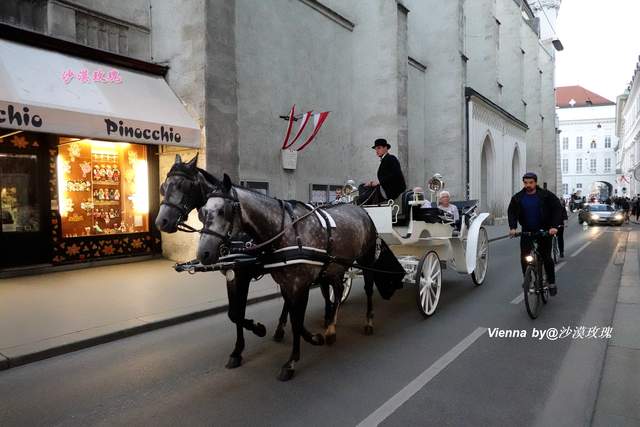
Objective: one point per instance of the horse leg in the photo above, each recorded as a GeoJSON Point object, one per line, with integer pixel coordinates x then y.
{"type": "Point", "coordinates": [278, 336]}
{"type": "Point", "coordinates": [368, 288]}
{"type": "Point", "coordinates": [297, 309]}
{"type": "Point", "coordinates": [243, 281]}
{"type": "Point", "coordinates": [324, 288]}
{"type": "Point", "coordinates": [330, 325]}
{"type": "Point", "coordinates": [236, 315]}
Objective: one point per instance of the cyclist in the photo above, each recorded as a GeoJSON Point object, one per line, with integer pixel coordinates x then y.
{"type": "Point", "coordinates": [536, 209]}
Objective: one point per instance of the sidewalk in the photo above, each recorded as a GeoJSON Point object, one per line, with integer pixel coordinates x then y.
{"type": "Point", "coordinates": [618, 400]}
{"type": "Point", "coordinates": [50, 314]}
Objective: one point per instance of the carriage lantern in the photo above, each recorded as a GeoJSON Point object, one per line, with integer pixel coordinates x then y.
{"type": "Point", "coordinates": [435, 184]}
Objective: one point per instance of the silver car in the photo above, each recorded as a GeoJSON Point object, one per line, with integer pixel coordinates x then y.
{"type": "Point", "coordinates": [600, 214]}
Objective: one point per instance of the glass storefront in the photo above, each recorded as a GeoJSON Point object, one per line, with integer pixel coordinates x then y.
{"type": "Point", "coordinates": [19, 207]}
{"type": "Point", "coordinates": [103, 187]}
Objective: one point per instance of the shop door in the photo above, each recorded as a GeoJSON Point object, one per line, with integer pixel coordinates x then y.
{"type": "Point", "coordinates": [24, 237]}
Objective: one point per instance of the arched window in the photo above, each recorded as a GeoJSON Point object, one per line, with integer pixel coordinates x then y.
{"type": "Point", "coordinates": [593, 144]}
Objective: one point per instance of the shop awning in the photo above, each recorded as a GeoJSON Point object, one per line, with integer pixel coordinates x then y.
{"type": "Point", "coordinates": [46, 91]}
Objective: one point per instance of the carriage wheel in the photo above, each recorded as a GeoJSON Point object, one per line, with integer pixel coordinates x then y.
{"type": "Point", "coordinates": [428, 283]}
{"type": "Point", "coordinates": [347, 281]}
{"type": "Point", "coordinates": [482, 258]}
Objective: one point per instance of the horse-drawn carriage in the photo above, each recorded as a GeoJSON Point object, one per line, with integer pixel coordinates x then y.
{"type": "Point", "coordinates": [426, 240]}
{"type": "Point", "coordinates": [246, 234]}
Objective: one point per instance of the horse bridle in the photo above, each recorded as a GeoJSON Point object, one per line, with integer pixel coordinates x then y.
{"type": "Point", "coordinates": [229, 214]}
{"type": "Point", "coordinates": [185, 202]}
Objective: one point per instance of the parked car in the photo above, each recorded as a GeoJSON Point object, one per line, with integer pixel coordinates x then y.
{"type": "Point", "coordinates": [600, 214]}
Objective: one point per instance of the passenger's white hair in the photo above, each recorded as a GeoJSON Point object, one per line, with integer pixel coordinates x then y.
{"type": "Point", "coordinates": [444, 193]}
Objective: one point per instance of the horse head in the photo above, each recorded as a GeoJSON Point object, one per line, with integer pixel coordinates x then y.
{"type": "Point", "coordinates": [184, 189]}
{"type": "Point", "coordinates": [219, 217]}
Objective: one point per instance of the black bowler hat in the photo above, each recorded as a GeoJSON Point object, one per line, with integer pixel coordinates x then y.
{"type": "Point", "coordinates": [381, 142]}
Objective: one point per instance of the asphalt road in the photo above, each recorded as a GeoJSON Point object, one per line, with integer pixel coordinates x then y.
{"type": "Point", "coordinates": [445, 370]}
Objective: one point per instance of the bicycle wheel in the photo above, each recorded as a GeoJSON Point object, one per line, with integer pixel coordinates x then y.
{"type": "Point", "coordinates": [532, 299]}
{"type": "Point", "coordinates": [555, 251]}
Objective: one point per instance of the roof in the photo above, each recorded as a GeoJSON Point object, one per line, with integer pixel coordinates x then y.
{"type": "Point", "coordinates": [577, 96]}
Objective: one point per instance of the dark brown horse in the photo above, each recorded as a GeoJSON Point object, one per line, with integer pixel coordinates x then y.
{"type": "Point", "coordinates": [231, 210]}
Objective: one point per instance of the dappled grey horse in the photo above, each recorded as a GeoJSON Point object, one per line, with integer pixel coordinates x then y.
{"type": "Point", "coordinates": [231, 210]}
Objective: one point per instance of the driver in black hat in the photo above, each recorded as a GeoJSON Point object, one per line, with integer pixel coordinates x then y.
{"type": "Point", "coordinates": [390, 183]}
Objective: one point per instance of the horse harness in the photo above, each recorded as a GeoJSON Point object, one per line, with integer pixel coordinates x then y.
{"type": "Point", "coordinates": [243, 252]}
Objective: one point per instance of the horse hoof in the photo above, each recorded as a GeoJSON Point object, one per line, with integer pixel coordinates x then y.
{"type": "Point", "coordinates": [234, 362]}
{"type": "Point", "coordinates": [368, 330]}
{"type": "Point", "coordinates": [260, 330]}
{"type": "Point", "coordinates": [278, 336]}
{"type": "Point", "coordinates": [286, 374]}
{"type": "Point", "coordinates": [330, 339]}
{"type": "Point", "coordinates": [317, 339]}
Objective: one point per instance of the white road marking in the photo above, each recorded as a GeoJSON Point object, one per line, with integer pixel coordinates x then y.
{"type": "Point", "coordinates": [519, 298]}
{"type": "Point", "coordinates": [390, 406]}
{"type": "Point", "coordinates": [581, 248]}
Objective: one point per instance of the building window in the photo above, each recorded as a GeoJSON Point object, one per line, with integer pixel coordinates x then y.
{"type": "Point", "coordinates": [579, 186]}
{"type": "Point", "coordinates": [565, 165]}
{"type": "Point", "coordinates": [592, 166]}
{"type": "Point", "coordinates": [579, 143]}
{"type": "Point", "coordinates": [31, 15]}
{"type": "Point", "coordinates": [100, 33]}
{"type": "Point", "coordinates": [103, 187]}
{"type": "Point", "coordinates": [593, 144]}
{"type": "Point", "coordinates": [565, 188]}
{"type": "Point", "coordinates": [259, 186]}
{"type": "Point", "coordinates": [565, 143]}
{"type": "Point", "coordinates": [578, 165]}
{"type": "Point", "coordinates": [607, 165]}
{"type": "Point", "coordinates": [607, 141]}
{"type": "Point", "coordinates": [323, 193]}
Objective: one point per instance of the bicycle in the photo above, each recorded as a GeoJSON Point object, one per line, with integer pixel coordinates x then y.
{"type": "Point", "coordinates": [534, 290]}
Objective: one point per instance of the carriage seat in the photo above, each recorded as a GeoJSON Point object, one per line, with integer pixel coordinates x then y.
{"type": "Point", "coordinates": [429, 215]}
{"type": "Point", "coordinates": [462, 206]}
{"type": "Point", "coordinates": [403, 215]}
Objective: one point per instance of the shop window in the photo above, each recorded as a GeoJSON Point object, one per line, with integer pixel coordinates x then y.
{"type": "Point", "coordinates": [103, 187]}
{"type": "Point", "coordinates": [19, 208]}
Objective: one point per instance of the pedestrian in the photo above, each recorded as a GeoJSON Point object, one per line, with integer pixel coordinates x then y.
{"type": "Point", "coordinates": [625, 205]}
{"type": "Point", "coordinates": [637, 205]}
{"type": "Point", "coordinates": [561, 228]}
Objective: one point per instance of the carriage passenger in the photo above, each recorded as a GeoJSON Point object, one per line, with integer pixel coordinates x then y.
{"type": "Point", "coordinates": [443, 204]}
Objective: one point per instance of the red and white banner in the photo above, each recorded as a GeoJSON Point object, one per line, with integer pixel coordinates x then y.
{"type": "Point", "coordinates": [318, 121]}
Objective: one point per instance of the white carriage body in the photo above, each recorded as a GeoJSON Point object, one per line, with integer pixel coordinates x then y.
{"type": "Point", "coordinates": [410, 243]}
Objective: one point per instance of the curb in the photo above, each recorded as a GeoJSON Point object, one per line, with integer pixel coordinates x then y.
{"type": "Point", "coordinates": [8, 363]}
